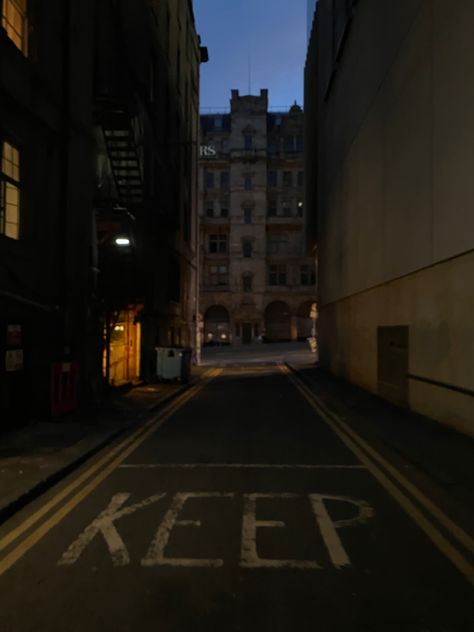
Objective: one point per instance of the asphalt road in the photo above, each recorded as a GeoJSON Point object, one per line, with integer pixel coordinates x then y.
{"type": "Point", "coordinates": [239, 510]}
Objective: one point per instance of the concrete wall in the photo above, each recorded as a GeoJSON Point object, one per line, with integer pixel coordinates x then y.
{"type": "Point", "coordinates": [395, 220]}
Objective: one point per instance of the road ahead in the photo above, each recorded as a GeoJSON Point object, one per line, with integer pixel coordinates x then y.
{"type": "Point", "coordinates": [238, 508]}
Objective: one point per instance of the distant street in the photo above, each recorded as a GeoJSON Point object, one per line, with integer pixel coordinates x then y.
{"type": "Point", "coordinates": [237, 508]}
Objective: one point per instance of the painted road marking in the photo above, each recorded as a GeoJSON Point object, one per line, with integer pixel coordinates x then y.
{"type": "Point", "coordinates": [104, 524]}
{"type": "Point", "coordinates": [156, 551]}
{"type": "Point", "coordinates": [329, 527]}
{"type": "Point", "coordinates": [263, 466]}
{"type": "Point", "coordinates": [370, 457]}
{"type": "Point", "coordinates": [120, 453]}
{"type": "Point", "coordinates": [250, 524]}
{"type": "Point", "coordinates": [249, 557]}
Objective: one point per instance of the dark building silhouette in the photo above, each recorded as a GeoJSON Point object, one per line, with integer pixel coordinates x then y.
{"type": "Point", "coordinates": [98, 135]}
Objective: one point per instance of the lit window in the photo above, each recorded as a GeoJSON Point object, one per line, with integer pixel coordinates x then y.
{"type": "Point", "coordinates": [14, 21]}
{"type": "Point", "coordinates": [10, 192]}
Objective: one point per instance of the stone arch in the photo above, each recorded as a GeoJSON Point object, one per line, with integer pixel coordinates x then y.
{"type": "Point", "coordinates": [277, 319]}
{"type": "Point", "coordinates": [304, 323]}
{"type": "Point", "coordinates": [216, 325]}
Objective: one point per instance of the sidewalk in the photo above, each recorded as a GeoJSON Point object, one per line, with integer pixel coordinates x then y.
{"type": "Point", "coordinates": [35, 457]}
{"type": "Point", "coordinates": [434, 456]}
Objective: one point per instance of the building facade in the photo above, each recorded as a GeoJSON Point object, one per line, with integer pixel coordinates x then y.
{"type": "Point", "coordinates": [98, 195]}
{"type": "Point", "coordinates": [256, 282]}
{"type": "Point", "coordinates": [389, 152]}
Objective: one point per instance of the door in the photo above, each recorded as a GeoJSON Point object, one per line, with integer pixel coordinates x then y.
{"type": "Point", "coordinates": [246, 333]}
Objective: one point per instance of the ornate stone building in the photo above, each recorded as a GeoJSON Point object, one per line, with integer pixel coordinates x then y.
{"type": "Point", "coordinates": [255, 279]}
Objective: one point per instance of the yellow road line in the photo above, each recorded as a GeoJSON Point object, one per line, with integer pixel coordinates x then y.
{"type": "Point", "coordinates": [139, 435]}
{"type": "Point", "coordinates": [357, 445]}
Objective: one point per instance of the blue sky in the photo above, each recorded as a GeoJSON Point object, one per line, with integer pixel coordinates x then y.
{"type": "Point", "coordinates": [272, 31]}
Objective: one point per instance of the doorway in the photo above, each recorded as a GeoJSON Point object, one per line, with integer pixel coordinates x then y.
{"type": "Point", "coordinates": [246, 333]}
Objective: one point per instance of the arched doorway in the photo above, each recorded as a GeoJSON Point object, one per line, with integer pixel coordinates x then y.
{"type": "Point", "coordinates": [216, 325]}
{"type": "Point", "coordinates": [304, 323]}
{"type": "Point", "coordinates": [277, 322]}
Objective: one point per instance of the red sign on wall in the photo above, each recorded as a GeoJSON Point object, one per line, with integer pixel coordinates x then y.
{"type": "Point", "coordinates": [13, 335]}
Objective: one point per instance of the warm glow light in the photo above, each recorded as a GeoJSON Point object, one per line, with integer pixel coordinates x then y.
{"type": "Point", "coordinates": [300, 204]}
{"type": "Point", "coordinates": [122, 241]}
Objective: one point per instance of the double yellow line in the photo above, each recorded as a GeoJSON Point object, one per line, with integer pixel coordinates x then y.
{"type": "Point", "coordinates": [407, 495]}
{"type": "Point", "coordinates": [90, 479]}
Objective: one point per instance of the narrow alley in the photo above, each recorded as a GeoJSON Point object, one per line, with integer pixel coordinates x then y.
{"type": "Point", "coordinates": [244, 504]}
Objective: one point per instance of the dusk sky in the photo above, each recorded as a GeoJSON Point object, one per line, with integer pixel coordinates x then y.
{"type": "Point", "coordinates": [273, 31]}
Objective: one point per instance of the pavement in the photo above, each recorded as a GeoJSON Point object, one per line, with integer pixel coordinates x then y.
{"type": "Point", "coordinates": [36, 456]}
{"type": "Point", "coordinates": [244, 509]}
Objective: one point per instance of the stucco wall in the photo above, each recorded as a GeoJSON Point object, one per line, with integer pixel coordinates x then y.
{"type": "Point", "coordinates": [399, 185]}
{"type": "Point", "coordinates": [438, 306]}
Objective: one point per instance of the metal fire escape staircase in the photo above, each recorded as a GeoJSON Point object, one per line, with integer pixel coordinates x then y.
{"type": "Point", "coordinates": [124, 159]}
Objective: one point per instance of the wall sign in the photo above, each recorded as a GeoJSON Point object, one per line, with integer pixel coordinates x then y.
{"type": "Point", "coordinates": [13, 335]}
{"type": "Point", "coordinates": [14, 360]}
{"type": "Point", "coordinates": [207, 151]}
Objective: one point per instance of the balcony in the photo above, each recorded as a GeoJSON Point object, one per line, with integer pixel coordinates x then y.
{"type": "Point", "coordinates": [248, 155]}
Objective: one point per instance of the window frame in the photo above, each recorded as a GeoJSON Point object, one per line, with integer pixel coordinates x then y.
{"type": "Point", "coordinates": [9, 181]}
{"type": "Point", "coordinates": [277, 274]}
{"type": "Point", "coordinates": [221, 242]}
{"type": "Point", "coordinates": [9, 27]}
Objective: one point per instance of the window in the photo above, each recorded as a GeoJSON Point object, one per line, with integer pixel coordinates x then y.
{"type": "Point", "coordinates": [218, 243]}
{"type": "Point", "coordinates": [272, 178]}
{"type": "Point", "coordinates": [272, 148]}
{"type": "Point", "coordinates": [287, 179]}
{"type": "Point", "coordinates": [224, 211]}
{"type": "Point", "coordinates": [299, 144]}
{"type": "Point", "coordinates": [224, 179]}
{"type": "Point", "coordinates": [208, 180]}
{"type": "Point", "coordinates": [218, 122]}
{"type": "Point", "coordinates": [248, 141]}
{"type": "Point", "coordinates": [218, 275]}
{"type": "Point", "coordinates": [14, 21]}
{"type": "Point", "coordinates": [210, 209]}
{"type": "Point", "coordinates": [277, 275]}
{"type": "Point", "coordinates": [248, 183]}
{"type": "Point", "coordinates": [247, 215]}
{"type": "Point", "coordinates": [247, 248]}
{"type": "Point", "coordinates": [10, 192]}
{"type": "Point", "coordinates": [289, 144]}
{"type": "Point", "coordinates": [300, 179]}
{"type": "Point", "coordinates": [307, 275]}
{"type": "Point", "coordinates": [278, 244]}
{"type": "Point", "coordinates": [247, 282]}
{"type": "Point", "coordinates": [286, 209]}
{"type": "Point", "coordinates": [272, 208]}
